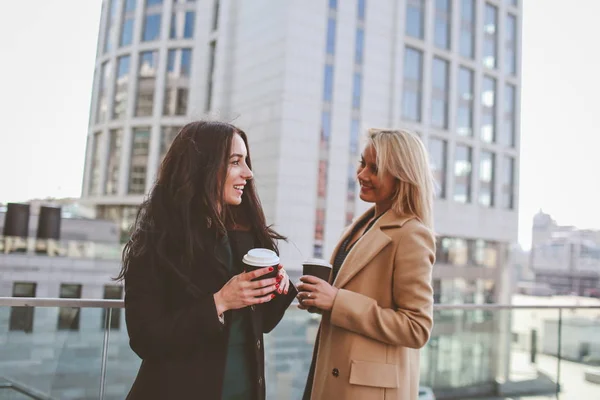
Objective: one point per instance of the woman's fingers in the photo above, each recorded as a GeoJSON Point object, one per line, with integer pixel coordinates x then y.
{"type": "Point", "coordinates": [262, 283]}
{"type": "Point", "coordinates": [306, 287]}
{"type": "Point", "coordinates": [256, 273]}
{"type": "Point", "coordinates": [265, 290]}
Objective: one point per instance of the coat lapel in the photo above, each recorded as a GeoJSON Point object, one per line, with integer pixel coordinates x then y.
{"type": "Point", "coordinates": [367, 247]}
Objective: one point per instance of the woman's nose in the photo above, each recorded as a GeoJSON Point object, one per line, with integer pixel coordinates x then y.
{"type": "Point", "coordinates": [248, 174]}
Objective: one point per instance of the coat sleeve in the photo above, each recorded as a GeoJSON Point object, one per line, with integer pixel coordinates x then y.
{"type": "Point", "coordinates": [410, 322]}
{"type": "Point", "coordinates": [274, 310]}
{"type": "Point", "coordinates": [158, 333]}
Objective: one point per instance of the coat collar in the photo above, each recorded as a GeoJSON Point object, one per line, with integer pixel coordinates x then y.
{"type": "Point", "coordinates": [368, 246]}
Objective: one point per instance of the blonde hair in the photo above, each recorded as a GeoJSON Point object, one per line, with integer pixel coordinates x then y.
{"type": "Point", "coordinates": [402, 154]}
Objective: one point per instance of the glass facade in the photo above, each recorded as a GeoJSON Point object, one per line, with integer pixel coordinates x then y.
{"type": "Point", "coordinates": [112, 292]}
{"type": "Point", "coordinates": [151, 30]}
{"type": "Point", "coordinates": [462, 174]}
{"type": "Point", "coordinates": [148, 65]}
{"type": "Point", "coordinates": [510, 55]}
{"type": "Point", "coordinates": [487, 165]}
{"type": "Point", "coordinates": [177, 82]}
{"type": "Point", "coordinates": [490, 36]}
{"type": "Point", "coordinates": [166, 138]}
{"type": "Point", "coordinates": [111, 27]}
{"type": "Point", "coordinates": [443, 19]}
{"type": "Point", "coordinates": [21, 318]}
{"type": "Point", "coordinates": [488, 110]}
{"type": "Point", "coordinates": [460, 252]}
{"type": "Point", "coordinates": [121, 88]}
{"type": "Point", "coordinates": [128, 23]}
{"type": "Point", "coordinates": [415, 18]}
{"type": "Point", "coordinates": [331, 36]}
{"type": "Point", "coordinates": [508, 183]}
{"type": "Point", "coordinates": [467, 28]}
{"type": "Point", "coordinates": [68, 317]}
{"type": "Point", "coordinates": [510, 99]}
{"type": "Point", "coordinates": [182, 25]}
{"type": "Point", "coordinates": [114, 162]}
{"type": "Point", "coordinates": [95, 173]}
{"type": "Point", "coordinates": [413, 84]}
{"type": "Point", "coordinates": [464, 117]}
{"type": "Point", "coordinates": [356, 90]}
{"type": "Point", "coordinates": [102, 111]}
{"type": "Point", "coordinates": [138, 166]}
{"type": "Point", "coordinates": [359, 46]}
{"type": "Point", "coordinates": [438, 157]}
{"type": "Point", "coordinates": [439, 93]}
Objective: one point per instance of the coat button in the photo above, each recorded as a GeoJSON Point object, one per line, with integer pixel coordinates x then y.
{"type": "Point", "coordinates": [260, 381]}
{"type": "Point", "coordinates": [258, 344]}
{"type": "Point", "coordinates": [335, 372]}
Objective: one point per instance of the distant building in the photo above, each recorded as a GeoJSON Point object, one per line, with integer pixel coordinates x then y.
{"type": "Point", "coordinates": [565, 258]}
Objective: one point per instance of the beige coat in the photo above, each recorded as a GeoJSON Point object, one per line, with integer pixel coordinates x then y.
{"type": "Point", "coordinates": [382, 315]}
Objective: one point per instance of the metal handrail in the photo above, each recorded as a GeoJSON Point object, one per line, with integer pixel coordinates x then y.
{"type": "Point", "coordinates": [102, 303]}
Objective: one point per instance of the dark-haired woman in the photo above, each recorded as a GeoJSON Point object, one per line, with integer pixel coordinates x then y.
{"type": "Point", "coordinates": [194, 317]}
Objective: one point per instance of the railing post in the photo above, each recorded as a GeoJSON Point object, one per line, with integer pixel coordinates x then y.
{"type": "Point", "coordinates": [107, 320]}
{"type": "Point", "coordinates": [559, 354]}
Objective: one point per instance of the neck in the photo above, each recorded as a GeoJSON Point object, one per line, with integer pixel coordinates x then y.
{"type": "Point", "coordinates": [380, 208]}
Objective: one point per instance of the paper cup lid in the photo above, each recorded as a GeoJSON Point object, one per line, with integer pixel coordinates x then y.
{"type": "Point", "coordinates": [261, 258]}
{"type": "Point", "coordinates": [317, 261]}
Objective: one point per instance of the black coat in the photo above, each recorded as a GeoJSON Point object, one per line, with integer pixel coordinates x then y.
{"type": "Point", "coordinates": [176, 332]}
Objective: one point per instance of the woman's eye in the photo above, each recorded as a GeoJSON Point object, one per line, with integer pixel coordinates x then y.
{"type": "Point", "coordinates": [235, 162]}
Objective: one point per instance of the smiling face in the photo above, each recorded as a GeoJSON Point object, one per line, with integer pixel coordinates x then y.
{"type": "Point", "coordinates": [238, 172]}
{"type": "Point", "coordinates": [375, 186]}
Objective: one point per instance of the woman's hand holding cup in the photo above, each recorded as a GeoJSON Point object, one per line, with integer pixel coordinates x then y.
{"type": "Point", "coordinates": [241, 291]}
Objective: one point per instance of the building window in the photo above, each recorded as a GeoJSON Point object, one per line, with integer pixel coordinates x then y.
{"type": "Point", "coordinates": [102, 112]}
{"type": "Point", "coordinates": [146, 83]}
{"type": "Point", "coordinates": [111, 25]}
{"type": "Point", "coordinates": [361, 9]}
{"type": "Point", "coordinates": [484, 253]}
{"type": "Point", "coordinates": [354, 136]}
{"type": "Point", "coordinates": [467, 28]}
{"type": "Point", "coordinates": [488, 110]}
{"type": "Point", "coordinates": [510, 56]}
{"type": "Point", "coordinates": [139, 160]}
{"type": "Point", "coordinates": [114, 162]}
{"type": "Point", "coordinates": [438, 157]}
{"type": "Point", "coordinates": [128, 21]}
{"type": "Point", "coordinates": [21, 318]}
{"type": "Point", "coordinates": [462, 174]}
{"type": "Point", "coordinates": [415, 18]}
{"type": "Point", "coordinates": [514, 3]}
{"type": "Point", "coordinates": [112, 292]}
{"type": "Point", "coordinates": [490, 32]}
{"type": "Point", "coordinates": [325, 126]}
{"type": "Point", "coordinates": [167, 136]}
{"type": "Point", "coordinates": [356, 90]}
{"type": "Point", "coordinates": [215, 17]}
{"type": "Point", "coordinates": [439, 94]}
{"type": "Point", "coordinates": [95, 173]}
{"type": "Point", "coordinates": [413, 83]}
{"type": "Point", "coordinates": [178, 81]}
{"type": "Point", "coordinates": [510, 93]}
{"type": "Point", "coordinates": [443, 18]}
{"type": "Point", "coordinates": [150, 3]}
{"type": "Point", "coordinates": [182, 25]}
{"type": "Point", "coordinates": [464, 119]}
{"type": "Point", "coordinates": [331, 35]}
{"type": "Point", "coordinates": [68, 317]}
{"type": "Point", "coordinates": [486, 178]}
{"type": "Point", "coordinates": [333, 4]}
{"type": "Point", "coordinates": [211, 71]}
{"type": "Point", "coordinates": [121, 88]}
{"type": "Point", "coordinates": [508, 183]}
{"type": "Point", "coordinates": [328, 85]}
{"type": "Point", "coordinates": [359, 46]}
{"type": "Point", "coordinates": [151, 27]}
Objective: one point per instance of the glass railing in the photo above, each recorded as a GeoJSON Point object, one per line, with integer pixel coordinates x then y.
{"type": "Point", "coordinates": [60, 248]}
{"type": "Point", "coordinates": [79, 349]}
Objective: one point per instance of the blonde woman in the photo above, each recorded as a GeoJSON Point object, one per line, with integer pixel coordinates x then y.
{"type": "Point", "coordinates": [377, 306]}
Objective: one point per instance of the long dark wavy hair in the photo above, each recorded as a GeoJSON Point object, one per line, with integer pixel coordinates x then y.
{"type": "Point", "coordinates": [185, 209]}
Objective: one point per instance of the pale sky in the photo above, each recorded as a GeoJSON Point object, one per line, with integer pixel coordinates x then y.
{"type": "Point", "coordinates": [48, 52]}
